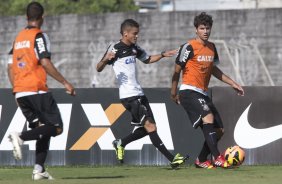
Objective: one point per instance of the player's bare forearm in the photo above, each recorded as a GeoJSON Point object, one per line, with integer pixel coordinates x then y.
{"type": "Point", "coordinates": [224, 78]}
{"type": "Point", "coordinates": [53, 72]}
{"type": "Point", "coordinates": [104, 61]}
{"type": "Point", "coordinates": [155, 58]}
{"type": "Point", "coordinates": [101, 65]}
{"type": "Point", "coordinates": [174, 84]}
{"type": "Point", "coordinates": [217, 73]}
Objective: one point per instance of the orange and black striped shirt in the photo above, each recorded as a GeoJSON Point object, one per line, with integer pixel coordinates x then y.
{"type": "Point", "coordinates": [197, 62]}
{"type": "Point", "coordinates": [28, 48]}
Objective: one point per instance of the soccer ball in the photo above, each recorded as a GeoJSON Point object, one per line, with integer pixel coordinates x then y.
{"type": "Point", "coordinates": [234, 155]}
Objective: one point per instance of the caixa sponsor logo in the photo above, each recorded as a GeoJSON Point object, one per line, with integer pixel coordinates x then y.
{"type": "Point", "coordinates": [129, 60]}
{"type": "Point", "coordinates": [99, 131]}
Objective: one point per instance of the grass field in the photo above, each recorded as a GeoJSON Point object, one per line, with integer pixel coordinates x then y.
{"type": "Point", "coordinates": [143, 175]}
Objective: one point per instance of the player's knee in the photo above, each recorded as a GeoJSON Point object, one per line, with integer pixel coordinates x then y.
{"type": "Point", "coordinates": [208, 119]}
{"type": "Point", "coordinates": [150, 127]}
{"type": "Point", "coordinates": [219, 133]}
{"type": "Point", "coordinates": [59, 130]}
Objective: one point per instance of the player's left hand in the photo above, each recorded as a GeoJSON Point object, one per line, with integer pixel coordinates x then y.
{"type": "Point", "coordinates": [170, 53]}
{"type": "Point", "coordinates": [238, 89]}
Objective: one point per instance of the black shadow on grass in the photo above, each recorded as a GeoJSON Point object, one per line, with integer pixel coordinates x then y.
{"type": "Point", "coordinates": [171, 169]}
{"type": "Point", "coordinates": [93, 177]}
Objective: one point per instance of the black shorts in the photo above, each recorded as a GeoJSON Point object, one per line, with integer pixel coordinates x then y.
{"type": "Point", "coordinates": [42, 108]}
{"type": "Point", "coordinates": [139, 108]}
{"type": "Point", "coordinates": [198, 106]}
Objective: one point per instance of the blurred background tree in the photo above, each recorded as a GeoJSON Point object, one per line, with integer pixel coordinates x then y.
{"type": "Point", "coordinates": [57, 7]}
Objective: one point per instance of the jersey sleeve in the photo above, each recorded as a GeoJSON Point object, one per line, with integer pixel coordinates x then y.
{"type": "Point", "coordinates": [42, 46]}
{"type": "Point", "coordinates": [216, 58]}
{"type": "Point", "coordinates": [141, 54]}
{"type": "Point", "coordinates": [185, 53]}
{"type": "Point", "coordinates": [111, 48]}
{"type": "Point", "coordinates": [10, 61]}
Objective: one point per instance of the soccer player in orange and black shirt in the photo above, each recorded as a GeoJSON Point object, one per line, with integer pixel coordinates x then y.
{"type": "Point", "coordinates": [197, 60]}
{"type": "Point", "coordinates": [28, 73]}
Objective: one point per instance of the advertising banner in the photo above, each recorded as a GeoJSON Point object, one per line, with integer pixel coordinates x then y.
{"type": "Point", "coordinates": [95, 117]}
{"type": "Point", "coordinates": [252, 122]}
{"type": "Point", "coordinates": [92, 120]}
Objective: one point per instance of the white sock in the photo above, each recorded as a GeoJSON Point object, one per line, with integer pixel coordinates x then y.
{"type": "Point", "coordinates": [38, 167]}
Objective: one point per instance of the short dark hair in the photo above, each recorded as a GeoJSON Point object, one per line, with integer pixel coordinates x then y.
{"type": "Point", "coordinates": [128, 23]}
{"type": "Point", "coordinates": [34, 11]}
{"type": "Point", "coordinates": [203, 19]}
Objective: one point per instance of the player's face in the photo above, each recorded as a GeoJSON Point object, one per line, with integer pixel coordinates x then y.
{"type": "Point", "coordinates": [131, 35]}
{"type": "Point", "coordinates": [203, 32]}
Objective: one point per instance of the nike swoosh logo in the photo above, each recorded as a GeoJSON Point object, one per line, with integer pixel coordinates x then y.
{"type": "Point", "coordinates": [247, 136]}
{"type": "Point", "coordinates": [19, 57]}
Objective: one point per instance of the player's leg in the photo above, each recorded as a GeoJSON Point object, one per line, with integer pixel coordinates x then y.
{"type": "Point", "coordinates": [137, 133]}
{"type": "Point", "coordinates": [200, 114]}
{"type": "Point", "coordinates": [26, 105]}
{"type": "Point", "coordinates": [119, 144]}
{"type": "Point", "coordinates": [210, 131]}
{"type": "Point", "coordinates": [151, 128]}
{"type": "Point", "coordinates": [132, 105]}
{"type": "Point", "coordinates": [175, 160]}
{"type": "Point", "coordinates": [156, 140]}
{"type": "Point", "coordinates": [44, 119]}
{"type": "Point", "coordinates": [146, 118]}
{"type": "Point", "coordinates": [210, 134]}
{"type": "Point", "coordinates": [43, 115]}
{"type": "Point", "coordinates": [202, 161]}
{"type": "Point", "coordinates": [42, 148]}
{"type": "Point", "coordinates": [205, 151]}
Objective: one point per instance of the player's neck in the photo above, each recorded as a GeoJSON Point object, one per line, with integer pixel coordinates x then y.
{"type": "Point", "coordinates": [33, 24]}
{"type": "Point", "coordinates": [203, 42]}
{"type": "Point", "coordinates": [126, 42]}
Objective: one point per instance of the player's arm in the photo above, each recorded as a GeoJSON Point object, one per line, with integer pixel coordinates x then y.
{"type": "Point", "coordinates": [105, 60]}
{"type": "Point", "coordinates": [10, 74]}
{"type": "Point", "coordinates": [174, 83]}
{"type": "Point", "coordinates": [224, 78]}
{"type": "Point", "coordinates": [155, 58]}
{"type": "Point", "coordinates": [54, 73]}
{"type": "Point", "coordinates": [9, 68]}
{"type": "Point", "coordinates": [185, 53]}
{"type": "Point", "coordinates": [108, 58]}
{"type": "Point", "coordinates": [42, 47]}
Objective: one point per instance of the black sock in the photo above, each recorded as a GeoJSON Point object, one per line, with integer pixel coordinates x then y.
{"type": "Point", "coordinates": [157, 142]}
{"type": "Point", "coordinates": [211, 139]}
{"type": "Point", "coordinates": [37, 133]}
{"type": "Point", "coordinates": [42, 147]}
{"type": "Point", "coordinates": [204, 152]}
{"type": "Point", "coordinates": [137, 134]}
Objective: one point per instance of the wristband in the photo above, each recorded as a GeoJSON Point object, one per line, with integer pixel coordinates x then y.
{"type": "Point", "coordinates": [162, 53]}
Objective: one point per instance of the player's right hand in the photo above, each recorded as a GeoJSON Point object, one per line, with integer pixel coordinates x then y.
{"type": "Point", "coordinates": [175, 98]}
{"type": "Point", "coordinates": [109, 56]}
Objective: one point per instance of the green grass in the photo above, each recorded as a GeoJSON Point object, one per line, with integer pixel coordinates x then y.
{"type": "Point", "coordinates": [150, 175]}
